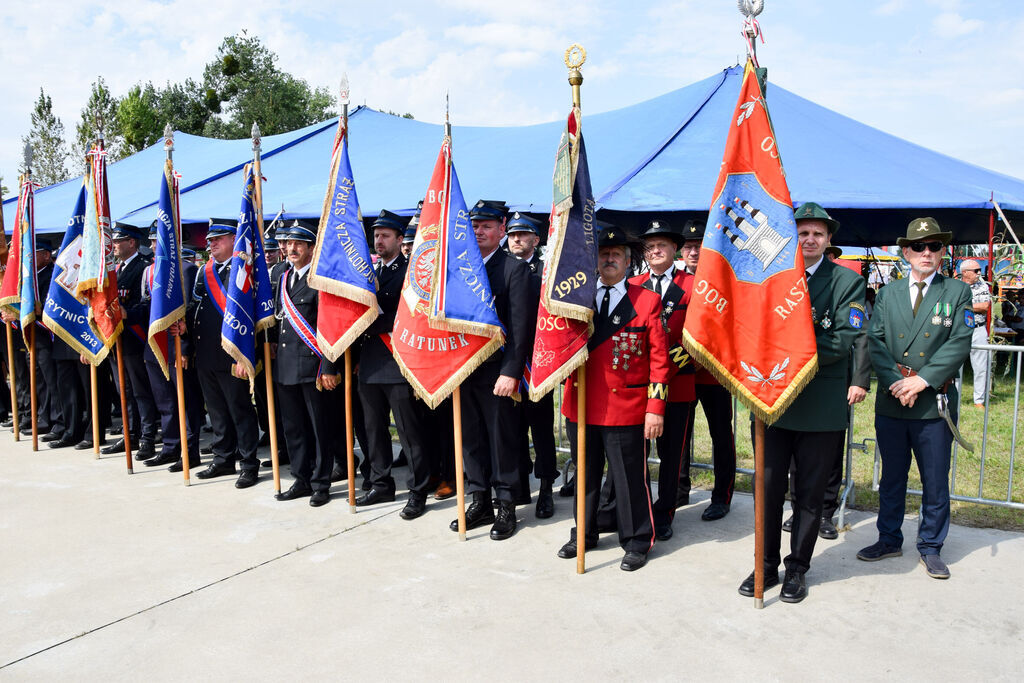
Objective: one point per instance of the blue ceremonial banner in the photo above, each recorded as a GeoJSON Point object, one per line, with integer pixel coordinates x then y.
{"type": "Point", "coordinates": [462, 297]}
{"type": "Point", "coordinates": [28, 256]}
{"type": "Point", "coordinates": [64, 314]}
{"type": "Point", "coordinates": [249, 305]}
{"type": "Point", "coordinates": [166, 288]}
{"type": "Point", "coordinates": [341, 268]}
{"type": "Point", "coordinates": [569, 281]}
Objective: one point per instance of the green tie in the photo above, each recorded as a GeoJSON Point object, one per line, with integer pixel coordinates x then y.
{"type": "Point", "coordinates": [920, 295]}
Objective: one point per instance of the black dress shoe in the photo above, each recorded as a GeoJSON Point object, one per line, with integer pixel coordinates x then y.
{"type": "Point", "coordinates": [367, 484]}
{"type": "Point", "coordinates": [568, 550]}
{"type": "Point", "coordinates": [794, 588]}
{"type": "Point", "coordinates": [215, 470]}
{"type": "Point", "coordinates": [85, 445]}
{"type": "Point", "coordinates": [828, 530]}
{"type": "Point", "coordinates": [414, 507]}
{"type": "Point", "coordinates": [247, 478]}
{"type": "Point", "coordinates": [52, 436]}
{"type": "Point", "coordinates": [146, 450]}
{"type": "Point", "coordinates": [26, 428]}
{"type": "Point", "coordinates": [771, 579]}
{"type": "Point", "coordinates": [879, 550]}
{"type": "Point", "coordinates": [296, 490]}
{"type": "Point", "coordinates": [568, 490]}
{"type": "Point", "coordinates": [282, 460]}
{"type": "Point", "coordinates": [62, 443]}
{"type": "Point", "coordinates": [117, 446]}
{"type": "Point", "coordinates": [505, 522]}
{"type": "Point", "coordinates": [339, 473]}
{"type": "Point", "coordinates": [322, 497]}
{"type": "Point", "coordinates": [478, 513]}
{"type": "Point", "coordinates": [545, 504]}
{"type": "Point", "coordinates": [374, 496]}
{"type": "Point", "coordinates": [206, 450]}
{"type": "Point", "coordinates": [633, 561]}
{"type": "Point", "coordinates": [162, 459]}
{"type": "Point", "coordinates": [715, 511]}
{"type": "Point", "coordinates": [401, 460]}
{"type": "Point", "coordinates": [663, 532]}
{"type": "Point", "coordinates": [8, 423]}
{"type": "Point", "coordinates": [193, 462]}
{"type": "Point", "coordinates": [787, 526]}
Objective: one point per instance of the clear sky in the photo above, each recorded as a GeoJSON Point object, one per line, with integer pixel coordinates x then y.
{"type": "Point", "coordinates": [945, 74]}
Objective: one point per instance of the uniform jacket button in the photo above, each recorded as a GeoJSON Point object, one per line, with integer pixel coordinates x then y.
{"type": "Point", "coordinates": [575, 384]}
{"type": "Point", "coordinates": [901, 335]}
{"type": "Point", "coordinates": [927, 334]}
{"type": "Point", "coordinates": [905, 354]}
{"type": "Point", "coordinates": [922, 354]}
{"type": "Point", "coordinates": [615, 391]}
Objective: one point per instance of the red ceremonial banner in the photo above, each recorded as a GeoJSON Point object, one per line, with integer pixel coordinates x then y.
{"type": "Point", "coordinates": [749, 319]}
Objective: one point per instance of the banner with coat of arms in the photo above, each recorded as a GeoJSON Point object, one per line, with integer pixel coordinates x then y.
{"type": "Point", "coordinates": [749, 318]}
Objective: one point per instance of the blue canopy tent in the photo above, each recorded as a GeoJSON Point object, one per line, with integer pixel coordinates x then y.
{"type": "Point", "coordinates": [659, 157]}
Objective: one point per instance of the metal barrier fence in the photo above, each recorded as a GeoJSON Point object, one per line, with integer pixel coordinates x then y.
{"type": "Point", "coordinates": [1017, 354]}
{"type": "Point", "coordinates": [848, 486]}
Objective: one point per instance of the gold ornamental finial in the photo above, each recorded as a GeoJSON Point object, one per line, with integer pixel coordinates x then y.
{"type": "Point", "coordinates": [575, 57]}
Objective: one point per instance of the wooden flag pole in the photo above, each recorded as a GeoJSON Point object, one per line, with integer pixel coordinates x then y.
{"type": "Point", "coordinates": [32, 384]}
{"type": "Point", "coordinates": [94, 393]}
{"type": "Point", "coordinates": [758, 513]}
{"type": "Point", "coordinates": [460, 484]}
{"type": "Point", "coordinates": [179, 375]}
{"type": "Point", "coordinates": [581, 469]}
{"type": "Point", "coordinates": [271, 417]}
{"type": "Point", "coordinates": [126, 431]}
{"type": "Point", "coordinates": [14, 381]}
{"type": "Point", "coordinates": [350, 434]}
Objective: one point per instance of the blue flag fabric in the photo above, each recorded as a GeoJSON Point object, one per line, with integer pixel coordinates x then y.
{"type": "Point", "coordinates": [342, 270]}
{"type": "Point", "coordinates": [249, 305]}
{"type": "Point", "coordinates": [166, 286]}
{"type": "Point", "coordinates": [27, 227]}
{"type": "Point", "coordinates": [64, 314]}
{"type": "Point", "coordinates": [462, 298]}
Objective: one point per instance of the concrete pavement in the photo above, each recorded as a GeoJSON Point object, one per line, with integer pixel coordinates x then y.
{"type": "Point", "coordinates": [107, 576]}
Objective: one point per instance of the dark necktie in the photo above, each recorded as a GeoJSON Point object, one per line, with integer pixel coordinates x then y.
{"type": "Point", "coordinates": [606, 301]}
{"type": "Point", "coordinates": [657, 283]}
{"type": "Point", "coordinates": [293, 279]}
{"type": "Point", "coordinates": [920, 295]}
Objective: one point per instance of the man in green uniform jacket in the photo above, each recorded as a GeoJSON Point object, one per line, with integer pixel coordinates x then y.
{"type": "Point", "coordinates": [920, 335]}
{"type": "Point", "coordinates": [811, 430]}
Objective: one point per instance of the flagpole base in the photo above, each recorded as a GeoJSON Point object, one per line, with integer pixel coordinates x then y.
{"type": "Point", "coordinates": [188, 482]}
{"type": "Point", "coordinates": [131, 471]}
{"type": "Point", "coordinates": [351, 509]}
{"type": "Point", "coordinates": [758, 603]}
{"type": "Point", "coordinates": [462, 535]}
{"type": "Point", "coordinates": [96, 456]}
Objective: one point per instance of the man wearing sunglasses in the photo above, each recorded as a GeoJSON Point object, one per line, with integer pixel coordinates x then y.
{"type": "Point", "coordinates": [919, 336]}
{"type": "Point", "coordinates": [981, 298]}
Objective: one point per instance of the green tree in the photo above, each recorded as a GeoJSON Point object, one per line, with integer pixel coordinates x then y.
{"type": "Point", "coordinates": [99, 115]}
{"type": "Point", "coordinates": [50, 152]}
{"type": "Point", "coordinates": [182, 105]}
{"type": "Point", "coordinates": [243, 84]}
{"type": "Point", "coordinates": [138, 118]}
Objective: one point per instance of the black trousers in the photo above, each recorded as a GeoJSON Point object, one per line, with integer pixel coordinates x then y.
{"type": "Point", "coordinates": [830, 504]}
{"type": "Point", "coordinates": [73, 406]}
{"type": "Point", "coordinates": [146, 417]}
{"type": "Point", "coordinates": [232, 417]}
{"type": "Point", "coordinates": [678, 417]}
{"type": "Point", "coordinates": [490, 433]}
{"type": "Point", "coordinates": [537, 419]}
{"type": "Point", "coordinates": [812, 454]}
{"type": "Point", "coordinates": [624, 450]}
{"type": "Point", "coordinates": [105, 394]}
{"type": "Point", "coordinates": [337, 426]}
{"type": "Point", "coordinates": [48, 410]}
{"type": "Point", "coordinates": [306, 425]}
{"type": "Point", "coordinates": [441, 444]}
{"type": "Point", "coordinates": [717, 404]}
{"type": "Point", "coordinates": [379, 402]}
{"type": "Point", "coordinates": [165, 396]}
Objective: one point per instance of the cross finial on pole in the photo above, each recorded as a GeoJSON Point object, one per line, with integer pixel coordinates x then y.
{"type": "Point", "coordinates": [255, 134]}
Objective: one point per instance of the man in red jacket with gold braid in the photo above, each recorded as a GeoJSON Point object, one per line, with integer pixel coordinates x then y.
{"type": "Point", "coordinates": [627, 387]}
{"type": "Point", "coordinates": [672, 285]}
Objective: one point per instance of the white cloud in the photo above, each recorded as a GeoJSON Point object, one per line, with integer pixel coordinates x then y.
{"type": "Point", "coordinates": [952, 25]}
